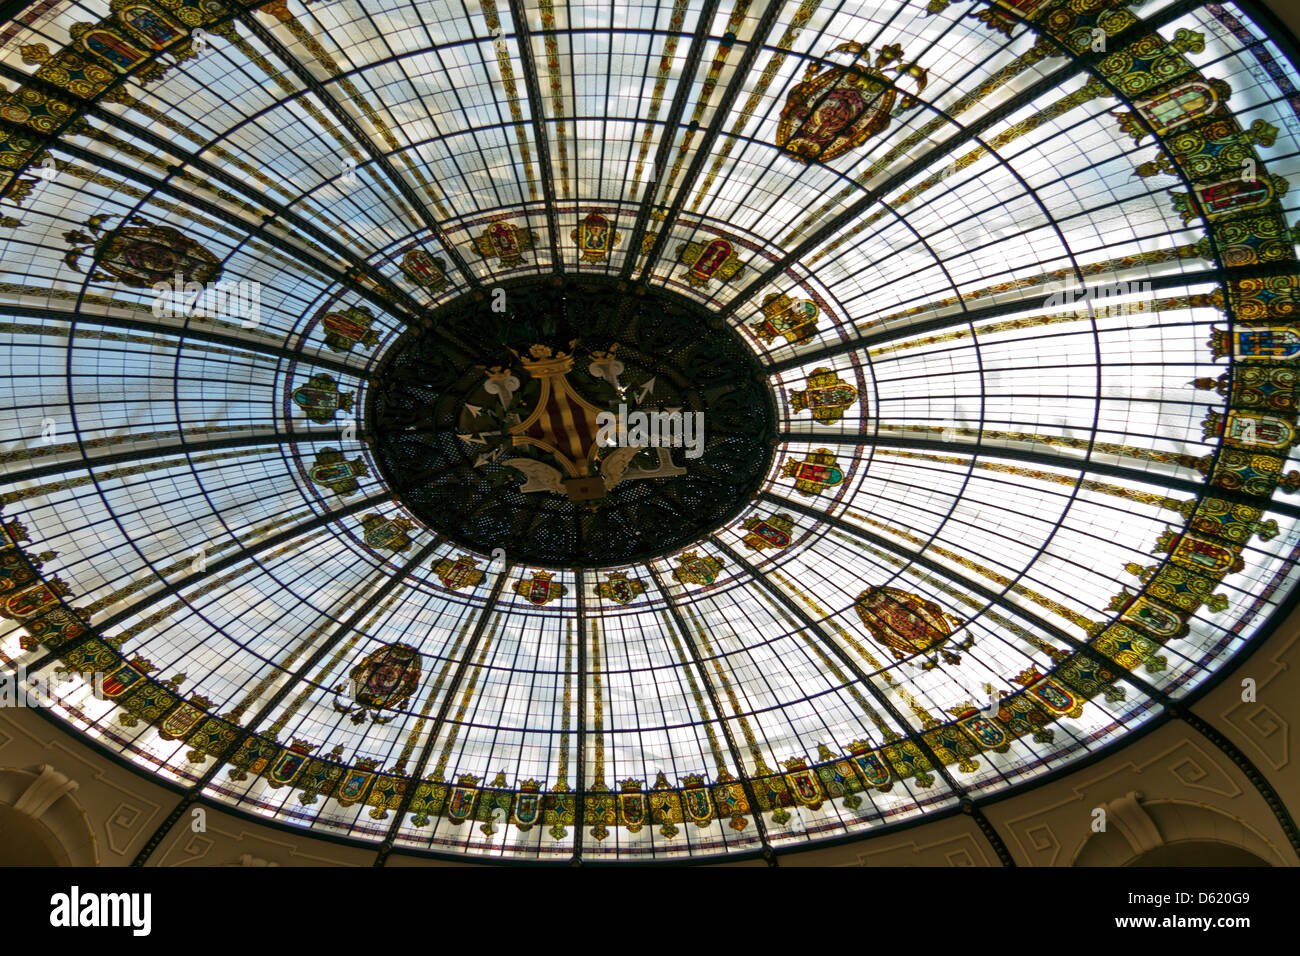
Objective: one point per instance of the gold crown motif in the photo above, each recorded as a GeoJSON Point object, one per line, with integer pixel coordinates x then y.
{"type": "Point", "coordinates": [542, 360]}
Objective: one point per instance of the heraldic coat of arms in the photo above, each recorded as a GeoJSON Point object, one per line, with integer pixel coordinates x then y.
{"type": "Point", "coordinates": [832, 112]}
{"type": "Point", "coordinates": [506, 241]}
{"type": "Point", "coordinates": [909, 625]}
{"type": "Point", "coordinates": [772, 532]}
{"type": "Point", "coordinates": [462, 573]}
{"type": "Point", "coordinates": [620, 589]}
{"type": "Point", "coordinates": [425, 269]}
{"type": "Point", "coordinates": [336, 472]}
{"type": "Point", "coordinates": [558, 425]}
{"type": "Point", "coordinates": [827, 396]}
{"type": "Point", "coordinates": [595, 237]}
{"type": "Point", "coordinates": [793, 319]}
{"type": "Point", "coordinates": [320, 398]}
{"type": "Point", "coordinates": [385, 678]}
{"type": "Point", "coordinates": [815, 473]}
{"type": "Point", "coordinates": [541, 589]}
{"type": "Point", "coordinates": [140, 255]}
{"type": "Point", "coordinates": [693, 568]}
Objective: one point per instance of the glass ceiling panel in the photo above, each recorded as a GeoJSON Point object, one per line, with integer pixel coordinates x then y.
{"type": "Point", "coordinates": [1020, 315]}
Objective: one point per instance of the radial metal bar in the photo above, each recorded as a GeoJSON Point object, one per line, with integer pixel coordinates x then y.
{"type": "Point", "coordinates": [993, 597]}
{"type": "Point", "coordinates": [895, 333]}
{"type": "Point", "coordinates": [278, 211]}
{"type": "Point", "coordinates": [1090, 466]}
{"type": "Point", "coordinates": [243, 553]}
{"type": "Point", "coordinates": [215, 210]}
{"type": "Point", "coordinates": [198, 333]}
{"type": "Point", "coordinates": [1078, 63]}
{"type": "Point", "coordinates": [580, 787]}
{"type": "Point", "coordinates": [968, 805]}
{"type": "Point", "coordinates": [440, 720]}
{"type": "Point", "coordinates": [143, 451]}
{"type": "Point", "coordinates": [689, 639]}
{"type": "Point", "coordinates": [537, 109]}
{"type": "Point", "coordinates": [705, 148]}
{"type": "Point", "coordinates": [249, 730]}
{"type": "Point", "coordinates": [345, 120]}
{"type": "Point", "coordinates": [671, 123]}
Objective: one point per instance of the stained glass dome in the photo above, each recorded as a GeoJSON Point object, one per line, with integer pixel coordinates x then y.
{"type": "Point", "coordinates": [317, 314]}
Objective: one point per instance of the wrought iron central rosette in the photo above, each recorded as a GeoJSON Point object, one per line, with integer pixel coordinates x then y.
{"type": "Point", "coordinates": [486, 422]}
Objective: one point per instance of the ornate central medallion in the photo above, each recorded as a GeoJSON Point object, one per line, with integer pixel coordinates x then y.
{"type": "Point", "coordinates": [584, 452]}
{"type": "Point", "coordinates": [574, 425]}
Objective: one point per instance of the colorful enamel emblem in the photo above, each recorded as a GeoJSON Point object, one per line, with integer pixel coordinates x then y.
{"type": "Point", "coordinates": [336, 472]}
{"type": "Point", "coordinates": [1172, 108]}
{"type": "Point", "coordinates": [695, 800]}
{"type": "Point", "coordinates": [390, 533]}
{"type": "Point", "coordinates": [985, 731]}
{"type": "Point", "coordinates": [1218, 200]}
{"type": "Point", "coordinates": [619, 588]}
{"type": "Point", "coordinates": [140, 255]}
{"type": "Point", "coordinates": [694, 569]}
{"type": "Point", "coordinates": [773, 532]}
{"type": "Point", "coordinates": [827, 396]}
{"type": "Point", "coordinates": [872, 767]}
{"type": "Point", "coordinates": [461, 573]}
{"type": "Point", "coordinates": [506, 241]}
{"type": "Point", "coordinates": [830, 113]}
{"type": "Point", "coordinates": [803, 783]}
{"type": "Point", "coordinates": [345, 328]}
{"type": "Point", "coordinates": [631, 805]}
{"type": "Point", "coordinates": [909, 625]}
{"type": "Point", "coordinates": [463, 797]}
{"type": "Point", "coordinates": [1049, 693]}
{"type": "Point", "coordinates": [1198, 553]}
{"type": "Point", "coordinates": [119, 682]}
{"type": "Point", "coordinates": [1249, 429]}
{"type": "Point", "coordinates": [121, 54]}
{"type": "Point", "coordinates": [1271, 344]}
{"type": "Point", "coordinates": [289, 763]}
{"type": "Point", "coordinates": [28, 601]}
{"type": "Point", "coordinates": [384, 679]}
{"type": "Point", "coordinates": [527, 809]}
{"type": "Point", "coordinates": [320, 398]}
{"type": "Point", "coordinates": [595, 237]}
{"type": "Point", "coordinates": [707, 261]}
{"type": "Point", "coordinates": [425, 269]}
{"type": "Point", "coordinates": [795, 319]}
{"type": "Point", "coordinates": [541, 589]}
{"type": "Point", "coordinates": [159, 28]}
{"type": "Point", "coordinates": [356, 781]}
{"type": "Point", "coordinates": [1154, 619]}
{"type": "Point", "coordinates": [134, 31]}
{"type": "Point", "coordinates": [178, 724]}
{"type": "Point", "coordinates": [815, 473]}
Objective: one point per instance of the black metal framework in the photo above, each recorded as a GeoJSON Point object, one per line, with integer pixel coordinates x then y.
{"type": "Point", "coordinates": [430, 406]}
{"type": "Point", "coordinates": [439, 722]}
{"type": "Point", "coordinates": [200, 187]}
{"type": "Point", "coordinates": [523, 34]}
{"type": "Point", "coordinates": [363, 141]}
{"type": "Point", "coordinates": [387, 583]}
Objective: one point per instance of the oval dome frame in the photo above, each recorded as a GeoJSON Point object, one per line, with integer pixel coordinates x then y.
{"type": "Point", "coordinates": [1026, 290]}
